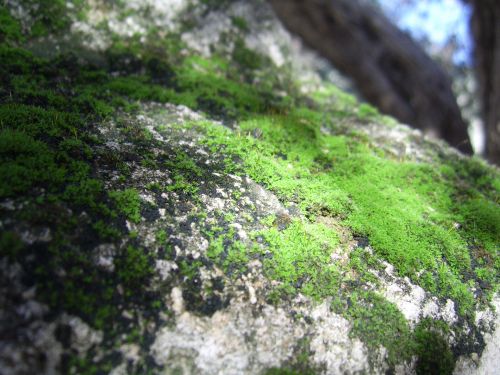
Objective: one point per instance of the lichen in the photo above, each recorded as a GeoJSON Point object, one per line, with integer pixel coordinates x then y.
{"type": "Point", "coordinates": [437, 222]}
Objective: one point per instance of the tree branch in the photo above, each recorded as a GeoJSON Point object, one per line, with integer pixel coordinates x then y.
{"type": "Point", "coordinates": [389, 68]}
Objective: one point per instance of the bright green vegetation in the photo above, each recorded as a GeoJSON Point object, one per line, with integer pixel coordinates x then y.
{"type": "Point", "coordinates": [231, 255]}
{"type": "Point", "coordinates": [301, 258]}
{"type": "Point", "coordinates": [129, 203]}
{"type": "Point", "coordinates": [407, 210]}
{"type": "Point", "coordinates": [186, 174]}
{"type": "Point", "coordinates": [378, 322]}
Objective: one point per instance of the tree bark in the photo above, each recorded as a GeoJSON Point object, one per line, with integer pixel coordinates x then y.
{"type": "Point", "coordinates": [389, 68]}
{"type": "Point", "coordinates": [485, 26]}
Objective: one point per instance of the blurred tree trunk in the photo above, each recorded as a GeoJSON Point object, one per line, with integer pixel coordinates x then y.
{"type": "Point", "coordinates": [485, 25]}
{"type": "Point", "coordinates": [389, 68]}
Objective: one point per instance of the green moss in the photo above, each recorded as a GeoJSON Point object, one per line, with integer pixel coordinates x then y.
{"type": "Point", "coordinates": [183, 163]}
{"type": "Point", "coordinates": [377, 322]}
{"type": "Point", "coordinates": [161, 237]}
{"type": "Point", "coordinates": [10, 244]}
{"type": "Point", "coordinates": [52, 16]}
{"type": "Point", "coordinates": [26, 163]}
{"type": "Point", "coordinates": [189, 269]}
{"type": "Point", "coordinates": [47, 119]}
{"type": "Point", "coordinates": [212, 92]}
{"type": "Point", "coordinates": [133, 269]}
{"type": "Point", "coordinates": [361, 262]}
{"type": "Point", "coordinates": [226, 252]}
{"type": "Point", "coordinates": [481, 219]}
{"type": "Point", "coordinates": [339, 102]}
{"type": "Point", "coordinates": [434, 354]}
{"type": "Point", "coordinates": [106, 231]}
{"type": "Point", "coordinates": [300, 258]}
{"type": "Point", "coordinates": [406, 210]}
{"type": "Point", "coordinates": [245, 57]}
{"type": "Point", "coordinates": [213, 85]}
{"type": "Point", "coordinates": [367, 111]}
{"type": "Point", "coordinates": [128, 203]}
{"type": "Point", "coordinates": [237, 258]}
{"type": "Point", "coordinates": [10, 28]}
{"type": "Point", "coordinates": [240, 23]}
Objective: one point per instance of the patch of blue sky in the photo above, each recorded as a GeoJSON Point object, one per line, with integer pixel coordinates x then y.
{"type": "Point", "coordinates": [434, 20]}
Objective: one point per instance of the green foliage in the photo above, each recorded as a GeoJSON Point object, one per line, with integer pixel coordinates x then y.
{"type": "Point", "coordinates": [10, 29]}
{"type": "Point", "coordinates": [10, 244]}
{"type": "Point", "coordinates": [26, 163]}
{"type": "Point", "coordinates": [407, 210]}
{"type": "Point", "coordinates": [434, 354]}
{"type": "Point", "coordinates": [133, 268]}
{"type": "Point", "coordinates": [128, 203]}
{"type": "Point", "coordinates": [301, 258]}
{"type": "Point", "coordinates": [377, 322]}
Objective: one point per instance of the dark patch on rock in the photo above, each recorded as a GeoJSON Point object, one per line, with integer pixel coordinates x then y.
{"type": "Point", "coordinates": [124, 63]}
{"type": "Point", "coordinates": [362, 242]}
{"type": "Point", "coordinates": [160, 72]}
{"type": "Point", "coordinates": [63, 334]}
{"type": "Point", "coordinates": [150, 213]}
{"type": "Point", "coordinates": [218, 284]}
{"type": "Point", "coordinates": [197, 303]}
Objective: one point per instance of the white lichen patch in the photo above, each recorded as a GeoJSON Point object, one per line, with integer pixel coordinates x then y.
{"type": "Point", "coordinates": [82, 337]}
{"type": "Point", "coordinates": [104, 255]}
{"type": "Point", "coordinates": [412, 300]}
{"type": "Point", "coordinates": [230, 342]}
{"type": "Point", "coordinates": [243, 339]}
{"type": "Point", "coordinates": [487, 363]}
{"type": "Point", "coordinates": [131, 18]}
{"type": "Point", "coordinates": [332, 346]}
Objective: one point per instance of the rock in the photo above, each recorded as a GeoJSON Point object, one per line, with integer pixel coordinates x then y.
{"type": "Point", "coordinates": [192, 208]}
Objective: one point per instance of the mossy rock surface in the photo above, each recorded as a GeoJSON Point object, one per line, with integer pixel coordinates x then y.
{"type": "Point", "coordinates": [165, 211]}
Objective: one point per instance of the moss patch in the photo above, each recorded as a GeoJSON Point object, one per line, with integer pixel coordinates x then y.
{"type": "Point", "coordinates": [300, 258]}
{"type": "Point", "coordinates": [437, 224]}
{"type": "Point", "coordinates": [406, 210]}
{"type": "Point", "coordinates": [128, 203]}
{"type": "Point", "coordinates": [378, 323]}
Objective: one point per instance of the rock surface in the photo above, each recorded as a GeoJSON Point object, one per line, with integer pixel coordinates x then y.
{"type": "Point", "coordinates": [184, 190]}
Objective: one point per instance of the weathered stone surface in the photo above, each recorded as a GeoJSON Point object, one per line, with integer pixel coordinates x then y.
{"type": "Point", "coordinates": [214, 215]}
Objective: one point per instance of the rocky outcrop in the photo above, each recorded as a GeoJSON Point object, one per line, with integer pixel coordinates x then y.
{"type": "Point", "coordinates": [168, 207]}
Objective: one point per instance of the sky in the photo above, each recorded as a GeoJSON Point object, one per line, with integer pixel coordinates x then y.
{"type": "Point", "coordinates": [435, 19]}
